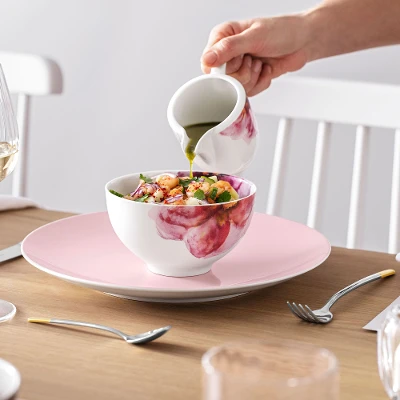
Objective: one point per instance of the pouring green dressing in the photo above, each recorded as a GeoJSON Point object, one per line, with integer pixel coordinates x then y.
{"type": "Point", "coordinates": [195, 133]}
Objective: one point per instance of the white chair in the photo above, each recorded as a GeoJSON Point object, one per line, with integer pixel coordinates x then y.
{"type": "Point", "coordinates": [28, 75]}
{"type": "Point", "coordinates": [361, 104]}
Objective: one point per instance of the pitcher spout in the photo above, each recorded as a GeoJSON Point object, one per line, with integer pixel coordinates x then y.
{"type": "Point", "coordinates": [211, 119]}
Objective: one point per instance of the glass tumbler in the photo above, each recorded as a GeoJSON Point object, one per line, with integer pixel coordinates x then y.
{"type": "Point", "coordinates": [389, 353]}
{"type": "Point", "coordinates": [8, 159]}
{"type": "Point", "coordinates": [270, 370]}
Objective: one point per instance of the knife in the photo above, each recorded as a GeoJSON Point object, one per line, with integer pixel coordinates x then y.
{"type": "Point", "coordinates": [10, 252]}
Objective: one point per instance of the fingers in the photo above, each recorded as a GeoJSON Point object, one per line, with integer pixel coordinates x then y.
{"type": "Point", "coordinates": [231, 66]}
{"type": "Point", "coordinates": [243, 75]}
{"type": "Point", "coordinates": [253, 75]}
{"type": "Point", "coordinates": [256, 68]}
{"type": "Point", "coordinates": [218, 33]}
{"type": "Point", "coordinates": [234, 65]}
{"type": "Point", "coordinates": [227, 49]}
{"type": "Point", "coordinates": [264, 81]}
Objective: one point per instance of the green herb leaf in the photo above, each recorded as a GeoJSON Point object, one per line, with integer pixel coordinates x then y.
{"type": "Point", "coordinates": [223, 197]}
{"type": "Point", "coordinates": [116, 193]}
{"type": "Point", "coordinates": [185, 182]}
{"type": "Point", "coordinates": [199, 194]}
{"type": "Point", "coordinates": [145, 179]}
{"type": "Point", "coordinates": [213, 193]}
{"type": "Point", "coordinates": [142, 199]}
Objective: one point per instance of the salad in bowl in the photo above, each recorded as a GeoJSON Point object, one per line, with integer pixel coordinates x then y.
{"type": "Point", "coordinates": [174, 190]}
{"type": "Point", "coordinates": [180, 226]}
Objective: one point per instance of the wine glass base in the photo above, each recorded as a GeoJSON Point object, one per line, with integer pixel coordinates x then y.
{"type": "Point", "coordinates": [7, 310]}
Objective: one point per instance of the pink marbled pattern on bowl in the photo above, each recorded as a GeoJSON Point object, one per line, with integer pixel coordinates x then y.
{"type": "Point", "coordinates": [208, 230]}
{"type": "Point", "coordinates": [245, 126]}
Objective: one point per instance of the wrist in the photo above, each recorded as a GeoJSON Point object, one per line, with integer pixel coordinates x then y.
{"type": "Point", "coordinates": [316, 24]}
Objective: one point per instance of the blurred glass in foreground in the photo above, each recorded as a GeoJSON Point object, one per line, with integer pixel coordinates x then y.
{"type": "Point", "coordinates": [275, 370]}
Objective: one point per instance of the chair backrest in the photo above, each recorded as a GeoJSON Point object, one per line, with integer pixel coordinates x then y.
{"type": "Point", "coordinates": [28, 75]}
{"type": "Point", "coordinates": [364, 105]}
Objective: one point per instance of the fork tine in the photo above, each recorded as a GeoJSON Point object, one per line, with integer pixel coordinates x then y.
{"type": "Point", "coordinates": [293, 310]}
{"type": "Point", "coordinates": [305, 312]}
{"type": "Point", "coordinates": [312, 314]}
{"type": "Point", "coordinates": [309, 317]}
{"type": "Point", "coordinates": [313, 319]}
{"type": "Point", "coordinates": [301, 313]}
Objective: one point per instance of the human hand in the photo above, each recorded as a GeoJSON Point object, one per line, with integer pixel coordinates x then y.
{"type": "Point", "coordinates": [259, 50]}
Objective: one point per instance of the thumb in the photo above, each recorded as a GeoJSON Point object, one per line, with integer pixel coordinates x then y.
{"type": "Point", "coordinates": [227, 49]}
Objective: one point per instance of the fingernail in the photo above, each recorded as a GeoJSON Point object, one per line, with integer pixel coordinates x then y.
{"type": "Point", "coordinates": [210, 57]}
{"type": "Point", "coordinates": [257, 66]}
{"type": "Point", "coordinates": [249, 62]}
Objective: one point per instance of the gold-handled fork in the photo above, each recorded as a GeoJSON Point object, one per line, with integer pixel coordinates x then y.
{"type": "Point", "coordinates": [323, 315]}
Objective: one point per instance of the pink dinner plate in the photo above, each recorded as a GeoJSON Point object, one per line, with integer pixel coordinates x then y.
{"type": "Point", "coordinates": [85, 250]}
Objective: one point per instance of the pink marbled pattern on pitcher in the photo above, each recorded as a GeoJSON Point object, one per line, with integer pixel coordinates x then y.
{"type": "Point", "coordinates": [207, 230]}
{"type": "Point", "coordinates": [245, 126]}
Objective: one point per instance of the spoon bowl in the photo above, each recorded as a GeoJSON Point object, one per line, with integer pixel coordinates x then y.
{"type": "Point", "coordinates": [149, 336]}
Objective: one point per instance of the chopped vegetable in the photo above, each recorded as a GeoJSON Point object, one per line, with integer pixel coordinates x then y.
{"type": "Point", "coordinates": [208, 180]}
{"type": "Point", "coordinates": [224, 197]}
{"type": "Point", "coordinates": [174, 198]}
{"type": "Point", "coordinates": [213, 193]}
{"type": "Point", "coordinates": [142, 199]}
{"type": "Point", "coordinates": [116, 193]}
{"type": "Point", "coordinates": [234, 194]}
{"type": "Point", "coordinates": [185, 182]}
{"type": "Point", "coordinates": [146, 179]}
{"type": "Point", "coordinates": [179, 191]}
{"type": "Point", "coordinates": [199, 194]}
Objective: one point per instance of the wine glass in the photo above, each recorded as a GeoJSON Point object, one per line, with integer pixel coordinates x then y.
{"type": "Point", "coordinates": [8, 159]}
{"type": "Point", "coordinates": [8, 131]}
{"type": "Point", "coordinates": [278, 370]}
{"type": "Point", "coordinates": [389, 353]}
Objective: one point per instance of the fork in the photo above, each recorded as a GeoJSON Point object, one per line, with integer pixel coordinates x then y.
{"type": "Point", "coordinates": [323, 315]}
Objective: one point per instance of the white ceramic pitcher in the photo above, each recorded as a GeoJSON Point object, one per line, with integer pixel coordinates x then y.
{"type": "Point", "coordinates": [230, 146]}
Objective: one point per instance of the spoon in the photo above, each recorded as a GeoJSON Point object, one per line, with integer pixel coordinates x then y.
{"type": "Point", "coordinates": [140, 338]}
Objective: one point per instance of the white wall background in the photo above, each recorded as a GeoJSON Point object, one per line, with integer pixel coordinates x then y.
{"type": "Point", "coordinates": [122, 60]}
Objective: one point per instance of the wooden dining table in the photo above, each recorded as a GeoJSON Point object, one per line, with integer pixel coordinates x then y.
{"type": "Point", "coordinates": [59, 362]}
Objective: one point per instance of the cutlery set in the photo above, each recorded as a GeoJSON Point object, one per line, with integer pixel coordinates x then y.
{"type": "Point", "coordinates": [322, 315]}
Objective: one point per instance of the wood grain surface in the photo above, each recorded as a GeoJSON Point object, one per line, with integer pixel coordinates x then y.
{"type": "Point", "coordinates": [68, 363]}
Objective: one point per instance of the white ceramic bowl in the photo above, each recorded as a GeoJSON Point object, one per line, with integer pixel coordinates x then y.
{"type": "Point", "coordinates": [10, 380]}
{"type": "Point", "coordinates": [179, 240]}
